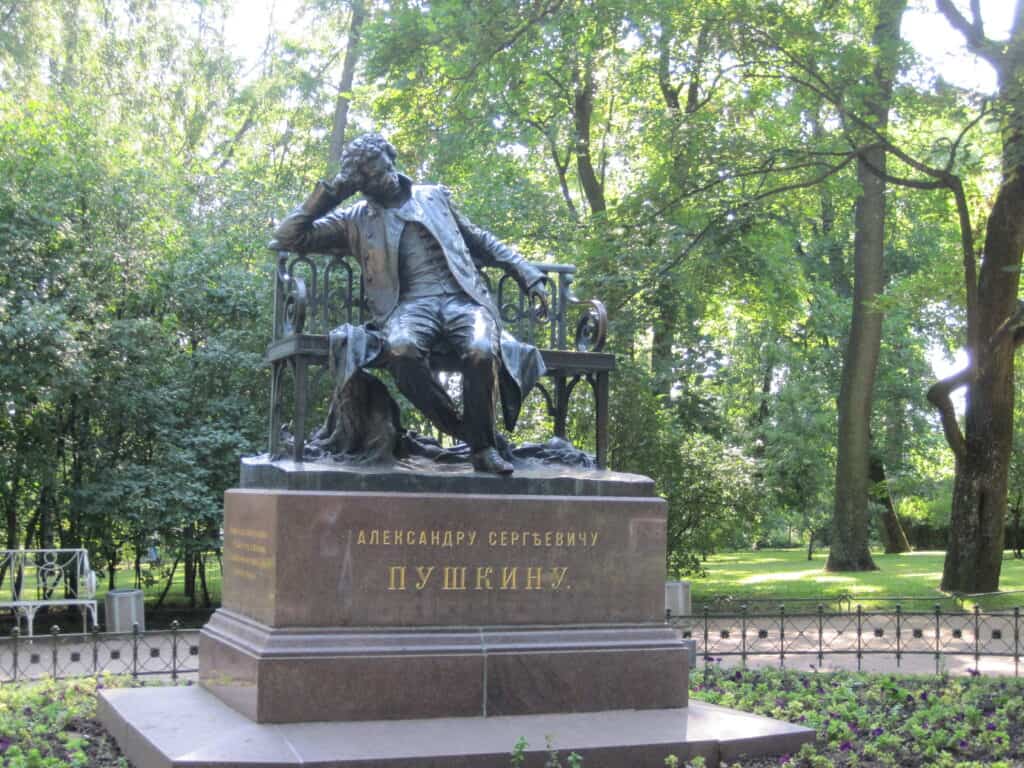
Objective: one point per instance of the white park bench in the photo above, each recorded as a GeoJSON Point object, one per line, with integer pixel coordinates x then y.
{"type": "Point", "coordinates": [34, 578]}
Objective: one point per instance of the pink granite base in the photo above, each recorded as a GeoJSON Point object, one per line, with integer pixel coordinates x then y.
{"type": "Point", "coordinates": [189, 728]}
{"type": "Point", "coordinates": [373, 606]}
{"type": "Point", "coordinates": [290, 675]}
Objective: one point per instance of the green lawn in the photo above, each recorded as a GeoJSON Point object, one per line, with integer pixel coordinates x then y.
{"type": "Point", "coordinates": [786, 574]}
{"type": "Point", "coordinates": [125, 579]}
{"type": "Point", "coordinates": [155, 579]}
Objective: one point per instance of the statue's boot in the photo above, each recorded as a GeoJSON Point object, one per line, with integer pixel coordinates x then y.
{"type": "Point", "coordinates": [489, 460]}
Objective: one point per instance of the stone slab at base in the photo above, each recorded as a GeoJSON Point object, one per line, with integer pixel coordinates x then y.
{"type": "Point", "coordinates": [302, 675]}
{"type": "Point", "coordinates": [188, 727]}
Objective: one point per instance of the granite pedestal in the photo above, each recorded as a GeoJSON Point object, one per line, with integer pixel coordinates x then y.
{"type": "Point", "coordinates": [426, 608]}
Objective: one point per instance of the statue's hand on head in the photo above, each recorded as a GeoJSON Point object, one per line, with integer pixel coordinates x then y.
{"type": "Point", "coordinates": [351, 177]}
{"type": "Point", "coordinates": [346, 183]}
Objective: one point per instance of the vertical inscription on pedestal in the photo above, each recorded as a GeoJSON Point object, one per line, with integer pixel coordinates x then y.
{"type": "Point", "coordinates": [246, 550]}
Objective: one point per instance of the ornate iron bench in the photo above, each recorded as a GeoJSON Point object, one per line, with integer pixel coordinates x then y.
{"type": "Point", "coordinates": [314, 293]}
{"type": "Point", "coordinates": [43, 573]}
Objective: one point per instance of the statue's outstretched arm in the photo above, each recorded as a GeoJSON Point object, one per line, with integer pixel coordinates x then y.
{"type": "Point", "coordinates": [489, 251]}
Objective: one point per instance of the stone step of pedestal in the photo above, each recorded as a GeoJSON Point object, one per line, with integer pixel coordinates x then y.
{"type": "Point", "coordinates": [189, 728]}
{"type": "Point", "coordinates": [278, 675]}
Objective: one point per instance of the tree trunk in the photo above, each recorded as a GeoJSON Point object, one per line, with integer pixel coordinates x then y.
{"type": "Point", "coordinates": [583, 112]}
{"type": "Point", "coordinates": [894, 538]}
{"type": "Point", "coordinates": [974, 556]}
{"type": "Point", "coordinates": [167, 586]}
{"type": "Point", "coordinates": [663, 339]}
{"type": "Point", "coordinates": [111, 570]}
{"type": "Point", "coordinates": [202, 581]}
{"type": "Point", "coordinates": [348, 69]}
{"type": "Point", "coordinates": [849, 547]}
{"type": "Point", "coordinates": [190, 577]}
{"type": "Point", "coordinates": [47, 509]}
{"type": "Point", "coordinates": [11, 513]}
{"type": "Point", "coordinates": [1018, 509]}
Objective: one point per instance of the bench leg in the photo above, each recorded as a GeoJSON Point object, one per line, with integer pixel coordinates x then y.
{"type": "Point", "coordinates": [276, 375]}
{"type": "Point", "coordinates": [601, 403]}
{"type": "Point", "coordinates": [561, 409]}
{"type": "Point", "coordinates": [301, 400]}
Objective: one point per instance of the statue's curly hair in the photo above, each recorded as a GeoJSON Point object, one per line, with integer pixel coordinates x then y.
{"type": "Point", "coordinates": [363, 148]}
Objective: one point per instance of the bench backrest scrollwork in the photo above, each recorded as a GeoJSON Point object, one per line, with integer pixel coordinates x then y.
{"type": "Point", "coordinates": [314, 293]}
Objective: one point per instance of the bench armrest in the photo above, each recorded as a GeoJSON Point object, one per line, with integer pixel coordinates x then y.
{"type": "Point", "coordinates": [591, 325]}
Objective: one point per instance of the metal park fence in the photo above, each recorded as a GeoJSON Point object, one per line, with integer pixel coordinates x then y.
{"type": "Point", "coordinates": [169, 653]}
{"type": "Point", "coordinates": [745, 635]}
{"type": "Point", "coordinates": [819, 634]}
{"type": "Point", "coordinates": [846, 602]}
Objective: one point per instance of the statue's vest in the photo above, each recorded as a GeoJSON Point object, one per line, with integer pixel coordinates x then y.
{"type": "Point", "coordinates": [374, 234]}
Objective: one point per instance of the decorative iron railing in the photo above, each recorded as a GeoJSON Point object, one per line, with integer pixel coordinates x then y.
{"type": "Point", "coordinates": [171, 653]}
{"type": "Point", "coordinates": [38, 578]}
{"type": "Point", "coordinates": [744, 635]}
{"type": "Point", "coordinates": [818, 634]}
{"type": "Point", "coordinates": [46, 574]}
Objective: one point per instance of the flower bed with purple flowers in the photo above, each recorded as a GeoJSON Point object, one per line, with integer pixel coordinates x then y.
{"type": "Point", "coordinates": [861, 720]}
{"type": "Point", "coordinates": [881, 720]}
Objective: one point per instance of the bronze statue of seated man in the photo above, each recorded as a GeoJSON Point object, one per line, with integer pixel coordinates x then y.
{"type": "Point", "coordinates": [420, 260]}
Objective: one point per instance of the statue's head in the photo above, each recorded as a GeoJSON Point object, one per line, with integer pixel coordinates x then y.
{"type": "Point", "coordinates": [370, 160]}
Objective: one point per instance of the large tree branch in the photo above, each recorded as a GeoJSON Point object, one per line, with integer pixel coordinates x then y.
{"type": "Point", "coordinates": [939, 396]}
{"type": "Point", "coordinates": [1011, 326]}
{"type": "Point", "coordinates": [818, 85]}
{"type": "Point", "coordinates": [348, 70]}
{"type": "Point", "coordinates": [767, 166]}
{"type": "Point", "coordinates": [542, 10]}
{"type": "Point", "coordinates": [693, 101]}
{"type": "Point", "coordinates": [669, 90]}
{"type": "Point", "coordinates": [970, 262]}
{"type": "Point", "coordinates": [545, 126]}
{"type": "Point", "coordinates": [902, 181]}
{"type": "Point", "coordinates": [952, 182]}
{"type": "Point", "coordinates": [730, 216]}
{"type": "Point", "coordinates": [814, 82]}
{"type": "Point", "coordinates": [973, 31]}
{"type": "Point", "coordinates": [955, 146]}
{"type": "Point", "coordinates": [227, 150]}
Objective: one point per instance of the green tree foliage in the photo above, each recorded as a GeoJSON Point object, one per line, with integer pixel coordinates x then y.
{"type": "Point", "coordinates": [131, 299]}
{"type": "Point", "coordinates": [699, 168]}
